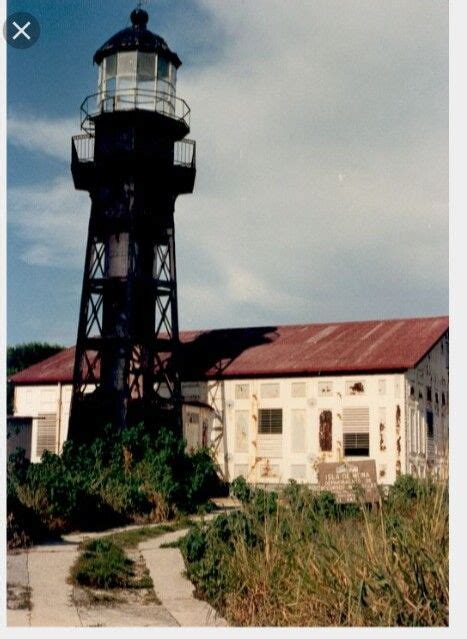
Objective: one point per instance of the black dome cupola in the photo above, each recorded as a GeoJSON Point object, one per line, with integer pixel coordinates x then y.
{"type": "Point", "coordinates": [137, 38]}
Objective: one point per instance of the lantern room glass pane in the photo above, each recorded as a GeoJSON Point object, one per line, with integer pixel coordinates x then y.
{"type": "Point", "coordinates": [110, 66]}
{"type": "Point", "coordinates": [127, 63]}
{"type": "Point", "coordinates": [126, 92]}
{"type": "Point", "coordinates": [162, 68]}
{"type": "Point", "coordinates": [146, 65]}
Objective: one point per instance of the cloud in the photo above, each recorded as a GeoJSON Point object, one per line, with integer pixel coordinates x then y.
{"type": "Point", "coordinates": [51, 222]}
{"type": "Point", "coordinates": [322, 182]}
{"type": "Point", "coordinates": [44, 135]}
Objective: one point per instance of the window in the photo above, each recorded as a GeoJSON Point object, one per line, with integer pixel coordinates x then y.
{"type": "Point", "coordinates": [382, 386]}
{"type": "Point", "coordinates": [298, 389]}
{"type": "Point", "coordinates": [269, 391]}
{"type": "Point", "coordinates": [162, 69]}
{"type": "Point", "coordinates": [324, 389]}
{"type": "Point", "coordinates": [146, 65]}
{"type": "Point", "coordinates": [111, 66]}
{"type": "Point", "coordinates": [241, 431]}
{"type": "Point", "coordinates": [429, 425]}
{"type": "Point", "coordinates": [127, 63]}
{"type": "Point", "coordinates": [325, 431]}
{"type": "Point", "coordinates": [298, 471]}
{"type": "Point", "coordinates": [428, 393]}
{"type": "Point", "coordinates": [413, 431]}
{"type": "Point", "coordinates": [242, 391]}
{"type": "Point", "coordinates": [270, 421]}
{"type": "Point", "coordinates": [356, 431]}
{"type": "Point", "coordinates": [353, 387]}
{"type": "Point", "coordinates": [298, 431]}
{"type": "Point", "coordinates": [46, 433]}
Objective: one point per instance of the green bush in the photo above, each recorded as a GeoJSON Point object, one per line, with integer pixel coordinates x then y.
{"type": "Point", "coordinates": [125, 476]}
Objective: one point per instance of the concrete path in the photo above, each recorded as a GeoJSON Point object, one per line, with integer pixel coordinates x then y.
{"type": "Point", "coordinates": [175, 591]}
{"type": "Point", "coordinates": [39, 576]}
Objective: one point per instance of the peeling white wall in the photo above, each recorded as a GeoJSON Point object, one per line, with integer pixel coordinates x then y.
{"type": "Point", "coordinates": [230, 424]}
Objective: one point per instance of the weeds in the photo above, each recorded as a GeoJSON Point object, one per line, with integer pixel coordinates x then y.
{"type": "Point", "coordinates": [300, 559]}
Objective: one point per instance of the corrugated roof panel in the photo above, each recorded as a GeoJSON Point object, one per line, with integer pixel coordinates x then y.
{"type": "Point", "coordinates": [284, 350]}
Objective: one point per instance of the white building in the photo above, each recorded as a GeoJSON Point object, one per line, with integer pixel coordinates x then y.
{"type": "Point", "coordinates": [275, 401]}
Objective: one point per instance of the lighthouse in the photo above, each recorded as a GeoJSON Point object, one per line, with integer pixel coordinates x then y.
{"type": "Point", "coordinates": [134, 160]}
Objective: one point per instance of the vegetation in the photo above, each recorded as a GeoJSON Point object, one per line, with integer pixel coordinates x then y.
{"type": "Point", "coordinates": [301, 559]}
{"type": "Point", "coordinates": [125, 476]}
{"type": "Point", "coordinates": [23, 355]}
{"type": "Point", "coordinates": [102, 564]}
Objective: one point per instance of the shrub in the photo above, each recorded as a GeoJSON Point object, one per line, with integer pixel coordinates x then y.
{"type": "Point", "coordinates": [123, 476]}
{"type": "Point", "coordinates": [240, 489]}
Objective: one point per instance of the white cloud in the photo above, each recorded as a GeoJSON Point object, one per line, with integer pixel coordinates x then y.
{"type": "Point", "coordinates": [52, 221]}
{"type": "Point", "coordinates": [322, 185]}
{"type": "Point", "coordinates": [49, 136]}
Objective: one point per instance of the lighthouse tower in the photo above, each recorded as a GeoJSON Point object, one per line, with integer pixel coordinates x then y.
{"type": "Point", "coordinates": [134, 160]}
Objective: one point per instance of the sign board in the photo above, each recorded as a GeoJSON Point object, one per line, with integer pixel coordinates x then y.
{"type": "Point", "coordinates": [345, 479]}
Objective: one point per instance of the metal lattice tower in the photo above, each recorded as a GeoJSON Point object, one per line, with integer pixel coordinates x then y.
{"type": "Point", "coordinates": [134, 161]}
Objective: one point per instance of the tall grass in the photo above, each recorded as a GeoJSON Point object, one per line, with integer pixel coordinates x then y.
{"type": "Point", "coordinates": [308, 562]}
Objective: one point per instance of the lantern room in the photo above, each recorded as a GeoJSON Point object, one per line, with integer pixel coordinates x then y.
{"type": "Point", "coordinates": [136, 69]}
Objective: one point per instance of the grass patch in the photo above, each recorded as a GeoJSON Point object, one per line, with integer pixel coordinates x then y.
{"type": "Point", "coordinates": [102, 564]}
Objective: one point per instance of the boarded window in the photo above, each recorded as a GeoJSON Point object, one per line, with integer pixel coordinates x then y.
{"type": "Point", "coordinates": [325, 431]}
{"type": "Point", "coordinates": [353, 387]}
{"type": "Point", "coordinates": [298, 389]}
{"type": "Point", "coordinates": [356, 431]}
{"type": "Point", "coordinates": [324, 389]}
{"type": "Point", "coordinates": [270, 421]}
{"type": "Point", "coordinates": [46, 433]}
{"type": "Point", "coordinates": [269, 391]}
{"type": "Point", "coordinates": [241, 431]}
{"type": "Point", "coordinates": [242, 391]}
{"type": "Point", "coordinates": [298, 471]}
{"type": "Point", "coordinates": [382, 386]}
{"type": "Point", "coordinates": [298, 431]}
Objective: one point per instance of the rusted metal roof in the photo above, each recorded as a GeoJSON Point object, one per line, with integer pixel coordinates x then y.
{"type": "Point", "coordinates": [313, 349]}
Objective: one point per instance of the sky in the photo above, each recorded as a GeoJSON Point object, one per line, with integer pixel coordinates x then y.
{"type": "Point", "coordinates": [322, 160]}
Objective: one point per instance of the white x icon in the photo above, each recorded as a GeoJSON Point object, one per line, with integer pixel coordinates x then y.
{"type": "Point", "coordinates": [21, 30]}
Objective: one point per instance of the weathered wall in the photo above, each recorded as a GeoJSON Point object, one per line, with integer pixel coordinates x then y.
{"type": "Point", "coordinates": [315, 413]}
{"type": "Point", "coordinates": [427, 391]}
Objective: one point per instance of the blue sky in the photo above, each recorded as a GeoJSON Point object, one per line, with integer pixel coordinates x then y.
{"type": "Point", "coordinates": [322, 186]}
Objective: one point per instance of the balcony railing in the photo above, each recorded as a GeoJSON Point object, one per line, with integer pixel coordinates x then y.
{"type": "Point", "coordinates": [131, 100]}
{"type": "Point", "coordinates": [83, 145]}
{"type": "Point", "coordinates": [185, 153]}
{"type": "Point", "coordinates": [184, 150]}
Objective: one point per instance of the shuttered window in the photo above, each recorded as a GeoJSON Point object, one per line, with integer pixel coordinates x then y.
{"type": "Point", "coordinates": [270, 421]}
{"type": "Point", "coordinates": [46, 433]}
{"type": "Point", "coordinates": [356, 430]}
